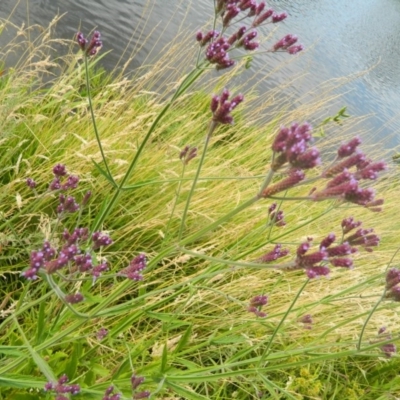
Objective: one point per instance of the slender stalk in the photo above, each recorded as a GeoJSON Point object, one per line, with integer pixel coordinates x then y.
{"type": "Point", "coordinates": [258, 265]}
{"type": "Point", "coordinates": [61, 296]}
{"type": "Point", "coordinates": [186, 83]}
{"type": "Point", "coordinates": [376, 304]}
{"type": "Point", "coordinates": [213, 125]}
{"type": "Point", "coordinates": [178, 192]}
{"type": "Point", "coordinates": [266, 351]}
{"type": "Point", "coordinates": [96, 132]}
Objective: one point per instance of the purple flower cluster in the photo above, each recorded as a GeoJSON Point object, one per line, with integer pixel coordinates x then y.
{"type": "Point", "coordinates": [70, 254]}
{"type": "Point", "coordinates": [255, 305]}
{"type": "Point", "coordinates": [274, 254]}
{"type": "Point", "coordinates": [315, 263]}
{"type": "Point", "coordinates": [92, 47]}
{"type": "Point", "coordinates": [389, 349]}
{"type": "Point", "coordinates": [31, 183]}
{"type": "Point", "coordinates": [307, 321]}
{"type": "Point", "coordinates": [294, 176]}
{"type": "Point", "coordinates": [61, 388]}
{"type": "Point", "coordinates": [102, 333]}
{"type": "Point", "coordinates": [219, 46]}
{"type": "Point", "coordinates": [110, 395]}
{"type": "Point", "coordinates": [393, 284]}
{"type": "Point", "coordinates": [187, 154]}
{"type": "Point", "coordinates": [291, 146]}
{"type": "Point", "coordinates": [345, 184]}
{"type": "Point", "coordinates": [221, 107]}
{"type": "Point", "coordinates": [135, 268]}
{"type": "Point", "coordinates": [74, 298]}
{"type": "Point", "coordinates": [63, 182]}
{"type": "Point", "coordinates": [136, 381]}
{"type": "Point", "coordinates": [276, 217]}
{"type": "Point", "coordinates": [287, 43]}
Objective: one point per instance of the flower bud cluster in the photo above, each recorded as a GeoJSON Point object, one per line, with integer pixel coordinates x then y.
{"type": "Point", "coordinates": [393, 284]}
{"type": "Point", "coordinates": [255, 305]}
{"type": "Point", "coordinates": [307, 321]}
{"type": "Point", "coordinates": [92, 47]}
{"type": "Point", "coordinates": [61, 388]}
{"type": "Point", "coordinates": [187, 154]}
{"type": "Point", "coordinates": [316, 263]}
{"type": "Point", "coordinates": [221, 107]}
{"type": "Point", "coordinates": [71, 254]}
{"type": "Point", "coordinates": [135, 268]}
{"type": "Point", "coordinates": [110, 395]}
{"type": "Point", "coordinates": [274, 254]}
{"type": "Point", "coordinates": [346, 184]}
{"type": "Point", "coordinates": [287, 43]}
{"type": "Point", "coordinates": [276, 217]}
{"type": "Point", "coordinates": [136, 381]}
{"type": "Point", "coordinates": [219, 46]}
{"type": "Point", "coordinates": [389, 349]}
{"type": "Point", "coordinates": [291, 146]}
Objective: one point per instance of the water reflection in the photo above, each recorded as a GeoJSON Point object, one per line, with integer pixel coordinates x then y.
{"type": "Point", "coordinates": [347, 37]}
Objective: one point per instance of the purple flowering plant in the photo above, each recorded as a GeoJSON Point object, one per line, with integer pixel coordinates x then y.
{"type": "Point", "coordinates": [74, 257]}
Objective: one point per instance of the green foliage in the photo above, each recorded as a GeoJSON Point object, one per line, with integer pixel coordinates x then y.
{"type": "Point", "coordinates": [186, 328]}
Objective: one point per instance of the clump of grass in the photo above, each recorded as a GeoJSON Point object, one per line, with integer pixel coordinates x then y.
{"type": "Point", "coordinates": [187, 327]}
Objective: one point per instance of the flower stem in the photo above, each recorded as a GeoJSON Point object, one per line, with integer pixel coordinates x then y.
{"type": "Point", "coordinates": [196, 178]}
{"type": "Point", "coordinates": [185, 84]}
{"type": "Point", "coordinates": [266, 351]}
{"type": "Point", "coordinates": [96, 132]}
{"type": "Point", "coordinates": [376, 305]}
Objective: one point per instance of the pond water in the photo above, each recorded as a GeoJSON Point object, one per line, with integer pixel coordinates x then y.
{"type": "Point", "coordinates": [344, 37]}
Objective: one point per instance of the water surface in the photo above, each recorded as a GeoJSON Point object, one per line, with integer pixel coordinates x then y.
{"type": "Point", "coordinates": [343, 38]}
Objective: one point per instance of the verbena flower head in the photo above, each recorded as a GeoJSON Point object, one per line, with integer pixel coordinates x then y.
{"type": "Point", "coordinates": [135, 268]}
{"type": "Point", "coordinates": [291, 145]}
{"type": "Point", "coordinates": [31, 183]}
{"type": "Point", "coordinates": [393, 284]}
{"type": "Point", "coordinates": [74, 298]}
{"type": "Point", "coordinates": [110, 395]}
{"type": "Point", "coordinates": [274, 254]}
{"type": "Point", "coordinates": [220, 44]}
{"type": "Point", "coordinates": [221, 107]}
{"type": "Point", "coordinates": [92, 47]}
{"type": "Point", "coordinates": [306, 319]}
{"type": "Point", "coordinates": [276, 217]}
{"type": "Point", "coordinates": [187, 154]}
{"type": "Point", "coordinates": [102, 333]}
{"type": "Point", "coordinates": [100, 239]}
{"type": "Point", "coordinates": [60, 387]}
{"type": "Point", "coordinates": [389, 349]}
{"type": "Point", "coordinates": [294, 177]}
{"type": "Point", "coordinates": [255, 305]}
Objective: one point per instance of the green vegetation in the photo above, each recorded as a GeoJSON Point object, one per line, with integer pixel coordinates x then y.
{"type": "Point", "coordinates": [186, 327]}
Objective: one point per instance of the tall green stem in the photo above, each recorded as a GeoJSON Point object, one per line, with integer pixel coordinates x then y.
{"type": "Point", "coordinates": [186, 83]}
{"type": "Point", "coordinates": [266, 351]}
{"type": "Point", "coordinates": [96, 132]}
{"type": "Point", "coordinates": [196, 178]}
{"type": "Point", "coordinates": [376, 304]}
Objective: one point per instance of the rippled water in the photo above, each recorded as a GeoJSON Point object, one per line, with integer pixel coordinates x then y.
{"type": "Point", "coordinates": [345, 37]}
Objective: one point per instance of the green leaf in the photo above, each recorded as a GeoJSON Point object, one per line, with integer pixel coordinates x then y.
{"type": "Point", "coordinates": [40, 322]}
{"type": "Point", "coordinates": [186, 393]}
{"type": "Point", "coordinates": [164, 359]}
{"type": "Point", "coordinates": [183, 340]}
{"type": "Point", "coordinates": [74, 359]}
{"type": "Point", "coordinates": [104, 173]}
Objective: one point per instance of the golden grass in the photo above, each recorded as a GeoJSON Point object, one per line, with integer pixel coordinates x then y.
{"type": "Point", "coordinates": [43, 127]}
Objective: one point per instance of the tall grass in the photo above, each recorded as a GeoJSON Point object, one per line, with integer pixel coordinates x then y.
{"type": "Point", "coordinates": [186, 327]}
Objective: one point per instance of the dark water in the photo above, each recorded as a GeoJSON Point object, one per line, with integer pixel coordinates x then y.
{"type": "Point", "coordinates": [344, 37]}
